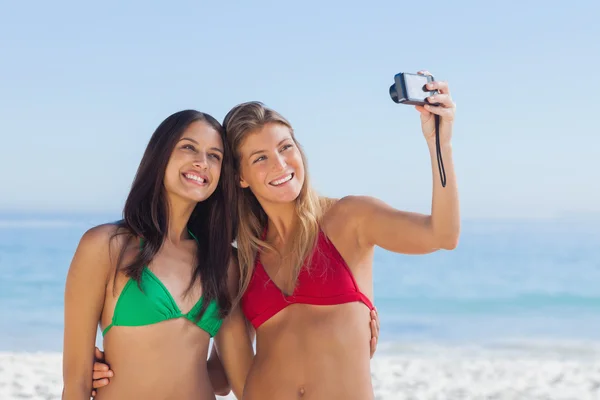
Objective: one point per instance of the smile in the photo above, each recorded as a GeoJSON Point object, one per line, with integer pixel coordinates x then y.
{"type": "Point", "coordinates": [196, 178]}
{"type": "Point", "coordinates": [283, 180]}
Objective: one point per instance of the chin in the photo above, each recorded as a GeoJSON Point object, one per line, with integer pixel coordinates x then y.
{"type": "Point", "coordinates": [197, 197]}
{"type": "Point", "coordinates": [289, 197]}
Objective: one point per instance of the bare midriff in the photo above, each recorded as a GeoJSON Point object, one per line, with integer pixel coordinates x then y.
{"type": "Point", "coordinates": [162, 361]}
{"type": "Point", "coordinates": [314, 353]}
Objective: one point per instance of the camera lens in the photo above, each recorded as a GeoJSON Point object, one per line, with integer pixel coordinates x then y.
{"type": "Point", "coordinates": [394, 93]}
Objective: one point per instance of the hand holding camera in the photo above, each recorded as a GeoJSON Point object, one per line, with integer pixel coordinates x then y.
{"type": "Point", "coordinates": [432, 99]}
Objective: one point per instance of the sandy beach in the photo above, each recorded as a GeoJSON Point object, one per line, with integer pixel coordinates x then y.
{"type": "Point", "coordinates": [547, 371]}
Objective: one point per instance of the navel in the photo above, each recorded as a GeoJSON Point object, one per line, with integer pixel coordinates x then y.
{"type": "Point", "coordinates": [301, 392]}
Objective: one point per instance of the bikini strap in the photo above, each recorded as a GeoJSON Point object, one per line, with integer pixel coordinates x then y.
{"type": "Point", "coordinates": [192, 235]}
{"type": "Point", "coordinates": [107, 328]}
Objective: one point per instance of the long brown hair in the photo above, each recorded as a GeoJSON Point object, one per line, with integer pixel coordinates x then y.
{"type": "Point", "coordinates": [241, 121]}
{"type": "Point", "coordinates": [212, 222]}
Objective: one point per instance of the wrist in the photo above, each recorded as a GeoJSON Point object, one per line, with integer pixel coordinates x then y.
{"type": "Point", "coordinates": [444, 144]}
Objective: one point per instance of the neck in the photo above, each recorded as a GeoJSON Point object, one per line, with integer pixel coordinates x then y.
{"type": "Point", "coordinates": [179, 214]}
{"type": "Point", "coordinates": [282, 221]}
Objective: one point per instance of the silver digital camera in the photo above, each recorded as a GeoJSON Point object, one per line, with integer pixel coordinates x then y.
{"type": "Point", "coordinates": [410, 89]}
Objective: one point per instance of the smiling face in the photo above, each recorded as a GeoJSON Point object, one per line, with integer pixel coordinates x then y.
{"type": "Point", "coordinates": [271, 164]}
{"type": "Point", "coordinates": [194, 167]}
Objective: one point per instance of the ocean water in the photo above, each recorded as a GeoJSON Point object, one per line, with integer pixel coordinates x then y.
{"type": "Point", "coordinates": [523, 280]}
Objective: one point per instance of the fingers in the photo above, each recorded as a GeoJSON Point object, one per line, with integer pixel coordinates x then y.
{"type": "Point", "coordinates": [100, 383]}
{"type": "Point", "coordinates": [101, 374]}
{"type": "Point", "coordinates": [446, 107]}
{"type": "Point", "coordinates": [374, 323]}
{"type": "Point", "coordinates": [374, 331]}
{"type": "Point", "coordinates": [443, 100]}
{"type": "Point", "coordinates": [446, 113]}
{"type": "Point", "coordinates": [422, 110]}
{"type": "Point", "coordinates": [440, 86]}
{"type": "Point", "coordinates": [98, 366]}
{"type": "Point", "coordinates": [373, 346]}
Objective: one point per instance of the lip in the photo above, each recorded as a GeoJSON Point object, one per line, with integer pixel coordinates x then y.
{"type": "Point", "coordinates": [281, 177]}
{"type": "Point", "coordinates": [196, 173]}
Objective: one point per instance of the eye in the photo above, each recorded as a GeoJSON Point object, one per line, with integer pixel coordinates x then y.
{"type": "Point", "coordinates": [188, 147]}
{"type": "Point", "coordinates": [287, 146]}
{"type": "Point", "coordinates": [215, 156]}
{"type": "Point", "coordinates": [261, 158]}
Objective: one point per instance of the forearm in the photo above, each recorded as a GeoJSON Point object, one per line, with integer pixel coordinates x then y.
{"type": "Point", "coordinates": [445, 213]}
{"type": "Point", "coordinates": [235, 351]}
{"type": "Point", "coordinates": [80, 389]}
{"type": "Point", "coordinates": [216, 374]}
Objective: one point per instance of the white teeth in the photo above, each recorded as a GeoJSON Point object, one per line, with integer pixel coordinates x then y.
{"type": "Point", "coordinates": [195, 178]}
{"type": "Point", "coordinates": [282, 180]}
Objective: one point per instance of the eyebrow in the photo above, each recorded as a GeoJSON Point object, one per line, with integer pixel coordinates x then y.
{"type": "Point", "coordinates": [193, 141]}
{"type": "Point", "coordinates": [263, 151]}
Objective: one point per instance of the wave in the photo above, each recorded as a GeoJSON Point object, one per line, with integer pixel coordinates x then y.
{"type": "Point", "coordinates": [37, 223]}
{"type": "Point", "coordinates": [58, 221]}
{"type": "Point", "coordinates": [519, 303]}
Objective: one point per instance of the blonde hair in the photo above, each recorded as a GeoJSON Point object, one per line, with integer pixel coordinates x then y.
{"type": "Point", "coordinates": [241, 121]}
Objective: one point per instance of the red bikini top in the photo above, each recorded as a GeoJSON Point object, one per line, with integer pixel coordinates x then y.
{"type": "Point", "coordinates": [328, 281]}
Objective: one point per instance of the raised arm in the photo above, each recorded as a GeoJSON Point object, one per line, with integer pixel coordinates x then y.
{"type": "Point", "coordinates": [84, 298]}
{"type": "Point", "coordinates": [377, 223]}
{"type": "Point", "coordinates": [233, 341]}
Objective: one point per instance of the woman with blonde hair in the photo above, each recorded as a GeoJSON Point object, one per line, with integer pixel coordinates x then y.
{"type": "Point", "coordinates": [306, 261]}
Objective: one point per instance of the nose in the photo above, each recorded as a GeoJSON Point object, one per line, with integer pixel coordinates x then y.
{"type": "Point", "coordinates": [201, 161]}
{"type": "Point", "coordinates": [279, 162]}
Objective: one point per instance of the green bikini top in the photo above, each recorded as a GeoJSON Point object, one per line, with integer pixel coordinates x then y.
{"type": "Point", "coordinates": [153, 304]}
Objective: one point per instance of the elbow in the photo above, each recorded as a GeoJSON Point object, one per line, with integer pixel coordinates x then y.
{"type": "Point", "coordinates": [75, 384]}
{"type": "Point", "coordinates": [222, 387]}
{"type": "Point", "coordinates": [218, 378]}
{"type": "Point", "coordinates": [448, 241]}
{"type": "Point", "coordinates": [449, 244]}
{"type": "Point", "coordinates": [445, 235]}
{"type": "Point", "coordinates": [223, 391]}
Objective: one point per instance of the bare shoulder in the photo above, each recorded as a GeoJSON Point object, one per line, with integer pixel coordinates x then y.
{"type": "Point", "coordinates": [100, 247]}
{"type": "Point", "coordinates": [98, 238]}
{"type": "Point", "coordinates": [350, 207]}
{"type": "Point", "coordinates": [344, 217]}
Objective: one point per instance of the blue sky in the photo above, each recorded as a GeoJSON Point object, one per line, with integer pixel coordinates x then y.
{"type": "Point", "coordinates": [83, 86]}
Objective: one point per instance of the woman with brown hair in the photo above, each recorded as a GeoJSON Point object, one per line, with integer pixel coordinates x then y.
{"type": "Point", "coordinates": [159, 277]}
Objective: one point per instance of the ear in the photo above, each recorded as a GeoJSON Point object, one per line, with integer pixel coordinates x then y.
{"type": "Point", "coordinates": [243, 183]}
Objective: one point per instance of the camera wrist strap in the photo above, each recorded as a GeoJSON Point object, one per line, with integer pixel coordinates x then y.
{"type": "Point", "coordinates": [439, 151]}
